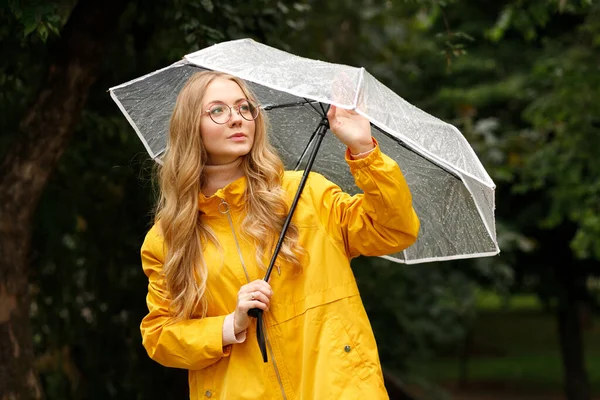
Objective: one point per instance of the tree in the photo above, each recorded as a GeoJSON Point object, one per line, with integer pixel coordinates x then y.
{"type": "Point", "coordinates": [43, 135]}
{"type": "Point", "coordinates": [531, 118]}
{"type": "Point", "coordinates": [564, 167]}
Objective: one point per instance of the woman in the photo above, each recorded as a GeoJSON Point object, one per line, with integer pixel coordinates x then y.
{"type": "Point", "coordinates": [224, 197]}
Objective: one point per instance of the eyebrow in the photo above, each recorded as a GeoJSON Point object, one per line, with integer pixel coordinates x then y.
{"type": "Point", "coordinates": [221, 101]}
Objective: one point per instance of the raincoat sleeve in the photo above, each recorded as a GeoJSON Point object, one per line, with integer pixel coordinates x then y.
{"type": "Point", "coordinates": [381, 220]}
{"type": "Point", "coordinates": [190, 344]}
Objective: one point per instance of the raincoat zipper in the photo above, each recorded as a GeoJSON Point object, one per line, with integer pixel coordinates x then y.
{"type": "Point", "coordinates": [224, 209]}
{"type": "Point", "coordinates": [274, 363]}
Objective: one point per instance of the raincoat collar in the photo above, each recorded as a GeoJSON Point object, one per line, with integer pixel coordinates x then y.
{"type": "Point", "coordinates": [234, 194]}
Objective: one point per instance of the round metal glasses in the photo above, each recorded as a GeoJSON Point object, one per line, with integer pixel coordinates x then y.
{"type": "Point", "coordinates": [221, 113]}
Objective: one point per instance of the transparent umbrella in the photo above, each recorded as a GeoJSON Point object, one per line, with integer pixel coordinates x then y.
{"type": "Point", "coordinates": [452, 193]}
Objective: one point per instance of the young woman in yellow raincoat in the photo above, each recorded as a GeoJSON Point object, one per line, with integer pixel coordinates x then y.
{"type": "Point", "coordinates": [223, 199]}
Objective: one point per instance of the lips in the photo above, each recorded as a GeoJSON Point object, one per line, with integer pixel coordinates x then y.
{"type": "Point", "coordinates": [238, 135]}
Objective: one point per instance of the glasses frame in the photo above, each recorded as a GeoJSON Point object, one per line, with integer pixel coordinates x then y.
{"type": "Point", "coordinates": [235, 107]}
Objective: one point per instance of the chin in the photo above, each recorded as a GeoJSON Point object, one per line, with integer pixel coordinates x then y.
{"type": "Point", "coordinates": [235, 155]}
{"type": "Point", "coordinates": [243, 152]}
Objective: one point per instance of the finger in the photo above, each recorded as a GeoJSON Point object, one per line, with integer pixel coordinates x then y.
{"type": "Point", "coordinates": [258, 285]}
{"type": "Point", "coordinates": [331, 111]}
{"type": "Point", "coordinates": [250, 287]}
{"type": "Point", "coordinates": [258, 296]}
{"type": "Point", "coordinates": [351, 111]}
{"type": "Point", "coordinates": [253, 304]}
{"type": "Point", "coordinates": [261, 294]}
{"type": "Point", "coordinates": [266, 290]}
{"type": "Point", "coordinates": [248, 296]}
{"type": "Point", "coordinates": [263, 298]}
{"type": "Point", "coordinates": [251, 296]}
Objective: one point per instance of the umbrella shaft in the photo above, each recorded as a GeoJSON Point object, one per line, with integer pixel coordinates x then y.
{"type": "Point", "coordinates": [321, 131]}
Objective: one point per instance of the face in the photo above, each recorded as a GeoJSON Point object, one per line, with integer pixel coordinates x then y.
{"type": "Point", "coordinates": [227, 142]}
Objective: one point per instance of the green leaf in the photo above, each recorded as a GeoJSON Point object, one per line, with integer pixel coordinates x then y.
{"type": "Point", "coordinates": [42, 32]}
{"type": "Point", "coordinates": [208, 5]}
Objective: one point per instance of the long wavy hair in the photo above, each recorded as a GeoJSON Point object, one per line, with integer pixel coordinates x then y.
{"type": "Point", "coordinates": [180, 180]}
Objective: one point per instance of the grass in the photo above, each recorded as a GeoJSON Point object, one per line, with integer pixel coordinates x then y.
{"type": "Point", "coordinates": [514, 345]}
{"type": "Point", "coordinates": [521, 373]}
{"type": "Point", "coordinates": [490, 301]}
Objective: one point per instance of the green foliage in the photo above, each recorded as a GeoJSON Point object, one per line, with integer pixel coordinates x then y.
{"type": "Point", "coordinates": [420, 311]}
{"type": "Point", "coordinates": [27, 29]}
{"type": "Point", "coordinates": [41, 18]}
{"type": "Point", "coordinates": [515, 349]}
{"type": "Point", "coordinates": [565, 114]}
{"type": "Point", "coordinates": [520, 79]}
{"type": "Point", "coordinates": [206, 22]}
{"type": "Point", "coordinates": [414, 313]}
{"type": "Point", "coordinates": [525, 97]}
{"type": "Point", "coordinates": [89, 288]}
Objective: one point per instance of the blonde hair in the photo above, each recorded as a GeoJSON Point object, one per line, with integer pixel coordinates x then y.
{"type": "Point", "coordinates": [180, 182]}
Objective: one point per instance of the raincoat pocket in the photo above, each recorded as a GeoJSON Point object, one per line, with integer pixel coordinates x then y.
{"type": "Point", "coordinates": [202, 382]}
{"type": "Point", "coordinates": [344, 351]}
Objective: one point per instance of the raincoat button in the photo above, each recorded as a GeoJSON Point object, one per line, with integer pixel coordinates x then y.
{"type": "Point", "coordinates": [208, 393]}
{"type": "Point", "coordinates": [347, 348]}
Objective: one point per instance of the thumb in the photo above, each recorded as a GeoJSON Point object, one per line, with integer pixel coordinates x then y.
{"type": "Point", "coordinates": [332, 111]}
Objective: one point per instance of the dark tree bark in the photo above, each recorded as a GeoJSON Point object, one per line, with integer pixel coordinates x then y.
{"type": "Point", "coordinates": [463, 365]}
{"type": "Point", "coordinates": [44, 133]}
{"type": "Point", "coordinates": [570, 332]}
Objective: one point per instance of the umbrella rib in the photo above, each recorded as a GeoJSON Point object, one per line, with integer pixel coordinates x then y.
{"type": "Point", "coordinates": [322, 109]}
{"type": "Point", "coordinates": [311, 104]}
{"type": "Point", "coordinates": [286, 105]}
{"type": "Point", "coordinates": [323, 115]}
{"type": "Point", "coordinates": [359, 86]}
{"type": "Point", "coordinates": [407, 147]}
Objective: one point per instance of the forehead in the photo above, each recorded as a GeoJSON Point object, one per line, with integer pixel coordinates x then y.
{"type": "Point", "coordinates": [225, 90]}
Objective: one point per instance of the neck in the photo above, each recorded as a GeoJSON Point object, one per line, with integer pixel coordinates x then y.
{"type": "Point", "coordinates": [218, 176]}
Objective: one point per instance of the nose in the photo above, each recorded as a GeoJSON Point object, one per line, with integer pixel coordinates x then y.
{"type": "Point", "coordinates": [236, 116]}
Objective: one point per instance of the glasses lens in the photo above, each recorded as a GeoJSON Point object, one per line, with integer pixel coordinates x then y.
{"type": "Point", "coordinates": [219, 113]}
{"type": "Point", "coordinates": [248, 110]}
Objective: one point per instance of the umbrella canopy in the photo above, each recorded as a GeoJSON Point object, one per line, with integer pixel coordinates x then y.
{"type": "Point", "coordinates": [452, 193]}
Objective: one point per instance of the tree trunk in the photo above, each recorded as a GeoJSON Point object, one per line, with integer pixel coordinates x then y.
{"type": "Point", "coordinates": [463, 365]}
{"type": "Point", "coordinates": [43, 136]}
{"type": "Point", "coordinates": [576, 381]}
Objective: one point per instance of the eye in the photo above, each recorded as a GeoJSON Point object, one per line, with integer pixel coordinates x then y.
{"type": "Point", "coordinates": [217, 110]}
{"type": "Point", "coordinates": [244, 107]}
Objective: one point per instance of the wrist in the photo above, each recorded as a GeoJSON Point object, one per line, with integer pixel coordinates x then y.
{"type": "Point", "coordinates": [236, 328]}
{"type": "Point", "coordinates": [358, 148]}
{"type": "Point", "coordinates": [230, 336]}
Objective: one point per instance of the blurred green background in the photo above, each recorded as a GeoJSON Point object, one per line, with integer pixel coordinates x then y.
{"type": "Point", "coordinates": [520, 79]}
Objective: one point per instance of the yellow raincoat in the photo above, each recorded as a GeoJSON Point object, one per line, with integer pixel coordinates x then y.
{"type": "Point", "coordinates": [321, 345]}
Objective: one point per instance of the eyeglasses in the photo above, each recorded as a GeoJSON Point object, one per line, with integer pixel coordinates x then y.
{"type": "Point", "coordinates": [221, 113]}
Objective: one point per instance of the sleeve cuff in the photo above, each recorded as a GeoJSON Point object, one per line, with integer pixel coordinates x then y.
{"type": "Point", "coordinates": [364, 162]}
{"type": "Point", "coordinates": [229, 336]}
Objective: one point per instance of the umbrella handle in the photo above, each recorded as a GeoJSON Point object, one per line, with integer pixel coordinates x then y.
{"type": "Point", "coordinates": [261, 337]}
{"type": "Point", "coordinates": [256, 312]}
